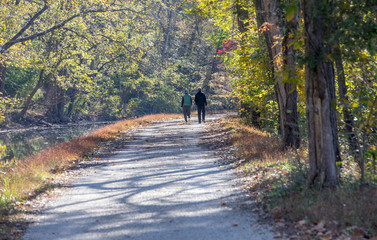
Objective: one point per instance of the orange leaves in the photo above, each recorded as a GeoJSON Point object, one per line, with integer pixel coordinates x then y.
{"type": "Point", "coordinates": [266, 26]}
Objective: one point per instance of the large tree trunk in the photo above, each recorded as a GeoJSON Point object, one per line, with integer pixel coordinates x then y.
{"type": "Point", "coordinates": [268, 16]}
{"type": "Point", "coordinates": [55, 100]}
{"type": "Point", "coordinates": [319, 78]}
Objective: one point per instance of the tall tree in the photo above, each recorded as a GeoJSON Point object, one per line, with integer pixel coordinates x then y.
{"type": "Point", "coordinates": [269, 15]}
{"type": "Point", "coordinates": [319, 78]}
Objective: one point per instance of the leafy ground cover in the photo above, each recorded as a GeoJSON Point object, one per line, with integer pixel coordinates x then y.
{"type": "Point", "coordinates": [22, 180]}
{"type": "Point", "coordinates": [277, 179]}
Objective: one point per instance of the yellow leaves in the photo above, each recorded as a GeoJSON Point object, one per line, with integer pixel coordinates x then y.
{"type": "Point", "coordinates": [2, 150]}
{"type": "Point", "coordinates": [355, 105]}
{"type": "Point", "coordinates": [8, 104]}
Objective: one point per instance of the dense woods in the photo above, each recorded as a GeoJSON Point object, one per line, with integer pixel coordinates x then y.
{"type": "Point", "coordinates": [307, 71]}
{"type": "Point", "coordinates": [88, 60]}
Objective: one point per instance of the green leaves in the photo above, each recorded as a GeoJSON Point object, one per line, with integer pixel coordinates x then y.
{"type": "Point", "coordinates": [291, 12]}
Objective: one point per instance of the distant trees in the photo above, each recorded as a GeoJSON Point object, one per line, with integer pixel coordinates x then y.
{"type": "Point", "coordinates": [100, 59]}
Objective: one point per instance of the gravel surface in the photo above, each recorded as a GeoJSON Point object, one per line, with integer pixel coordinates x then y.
{"type": "Point", "coordinates": [163, 185]}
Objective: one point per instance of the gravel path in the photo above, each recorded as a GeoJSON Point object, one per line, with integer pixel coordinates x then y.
{"type": "Point", "coordinates": [162, 186]}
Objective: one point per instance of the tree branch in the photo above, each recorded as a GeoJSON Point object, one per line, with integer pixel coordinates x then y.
{"type": "Point", "coordinates": [8, 44]}
{"type": "Point", "coordinates": [17, 39]}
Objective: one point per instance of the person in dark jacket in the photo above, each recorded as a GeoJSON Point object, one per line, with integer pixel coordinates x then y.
{"type": "Point", "coordinates": [186, 104]}
{"type": "Point", "coordinates": [201, 103]}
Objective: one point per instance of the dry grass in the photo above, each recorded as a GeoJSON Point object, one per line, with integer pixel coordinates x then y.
{"type": "Point", "coordinates": [21, 178]}
{"type": "Point", "coordinates": [263, 158]}
{"type": "Point", "coordinates": [277, 178]}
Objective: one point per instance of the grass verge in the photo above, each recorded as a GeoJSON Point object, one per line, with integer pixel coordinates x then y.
{"type": "Point", "coordinates": [277, 178]}
{"type": "Point", "coordinates": [22, 179]}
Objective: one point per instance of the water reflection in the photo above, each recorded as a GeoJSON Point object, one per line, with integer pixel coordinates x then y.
{"type": "Point", "coordinates": [21, 143]}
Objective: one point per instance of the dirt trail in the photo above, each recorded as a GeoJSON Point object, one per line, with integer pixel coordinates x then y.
{"type": "Point", "coordinates": [162, 186]}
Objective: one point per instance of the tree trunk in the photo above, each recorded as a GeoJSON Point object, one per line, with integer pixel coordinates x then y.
{"type": "Point", "coordinates": [167, 34]}
{"type": "Point", "coordinates": [242, 22]}
{"type": "Point", "coordinates": [267, 12]}
{"type": "Point", "coordinates": [3, 73]}
{"type": "Point", "coordinates": [347, 116]}
{"type": "Point", "coordinates": [31, 95]}
{"type": "Point", "coordinates": [288, 91]}
{"type": "Point", "coordinates": [242, 16]}
{"type": "Point", "coordinates": [319, 78]}
{"type": "Point", "coordinates": [72, 93]}
{"type": "Point", "coordinates": [334, 112]}
{"type": "Point", "coordinates": [55, 100]}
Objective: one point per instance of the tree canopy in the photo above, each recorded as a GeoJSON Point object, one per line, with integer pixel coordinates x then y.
{"type": "Point", "coordinates": [72, 60]}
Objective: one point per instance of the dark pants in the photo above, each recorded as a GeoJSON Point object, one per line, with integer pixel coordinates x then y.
{"type": "Point", "coordinates": [201, 113]}
{"type": "Point", "coordinates": [186, 112]}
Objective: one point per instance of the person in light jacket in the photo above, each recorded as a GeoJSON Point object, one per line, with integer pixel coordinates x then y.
{"type": "Point", "coordinates": [186, 104]}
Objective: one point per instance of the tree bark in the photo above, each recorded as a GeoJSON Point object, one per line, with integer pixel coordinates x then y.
{"type": "Point", "coordinates": [319, 78]}
{"type": "Point", "coordinates": [288, 91]}
{"type": "Point", "coordinates": [55, 99]}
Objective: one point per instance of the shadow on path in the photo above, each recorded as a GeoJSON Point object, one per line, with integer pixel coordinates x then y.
{"type": "Point", "coordinates": [164, 188]}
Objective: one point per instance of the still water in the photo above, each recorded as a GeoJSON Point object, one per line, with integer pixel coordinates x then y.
{"type": "Point", "coordinates": [22, 143]}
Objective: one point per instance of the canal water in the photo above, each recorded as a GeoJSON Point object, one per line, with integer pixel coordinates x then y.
{"type": "Point", "coordinates": [22, 143]}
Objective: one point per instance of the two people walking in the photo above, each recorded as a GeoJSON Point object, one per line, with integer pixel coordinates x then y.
{"type": "Point", "coordinates": [200, 102]}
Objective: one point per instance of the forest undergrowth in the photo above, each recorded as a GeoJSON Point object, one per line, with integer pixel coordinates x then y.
{"type": "Point", "coordinates": [22, 180]}
{"type": "Point", "coordinates": [278, 180]}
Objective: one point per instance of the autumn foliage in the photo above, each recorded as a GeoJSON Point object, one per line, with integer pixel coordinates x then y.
{"type": "Point", "coordinates": [227, 46]}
